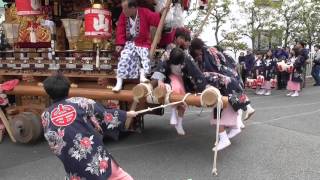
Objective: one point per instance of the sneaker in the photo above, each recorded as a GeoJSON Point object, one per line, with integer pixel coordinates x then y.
{"type": "Point", "coordinates": [268, 93]}
{"type": "Point", "coordinates": [223, 143]}
{"type": "Point", "coordinates": [295, 94]}
{"type": "Point", "coordinates": [242, 126]}
{"type": "Point", "coordinates": [289, 94]}
{"type": "Point", "coordinates": [260, 92]}
{"type": "Point", "coordinates": [233, 132]}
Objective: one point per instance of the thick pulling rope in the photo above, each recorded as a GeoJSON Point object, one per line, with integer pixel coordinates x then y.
{"type": "Point", "coordinates": [215, 149]}
{"type": "Point", "coordinates": [165, 105]}
{"type": "Point", "coordinates": [215, 90]}
{"type": "Point", "coordinates": [149, 96]}
{"type": "Point", "coordinates": [219, 106]}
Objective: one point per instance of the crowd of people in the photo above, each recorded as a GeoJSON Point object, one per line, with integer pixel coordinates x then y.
{"type": "Point", "coordinates": [75, 127]}
{"type": "Point", "coordinates": [188, 66]}
{"type": "Point", "coordinates": [283, 68]}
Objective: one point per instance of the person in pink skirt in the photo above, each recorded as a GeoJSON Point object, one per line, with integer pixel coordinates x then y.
{"type": "Point", "coordinates": [295, 78]}
{"type": "Point", "coordinates": [183, 76]}
{"type": "Point", "coordinates": [218, 74]}
{"type": "Point", "coordinates": [171, 73]}
{"type": "Point", "coordinates": [178, 69]}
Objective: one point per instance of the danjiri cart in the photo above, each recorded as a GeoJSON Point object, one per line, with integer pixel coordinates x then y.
{"type": "Point", "coordinates": [36, 47]}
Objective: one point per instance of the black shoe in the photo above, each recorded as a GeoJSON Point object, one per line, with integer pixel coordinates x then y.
{"type": "Point", "coordinates": [316, 85]}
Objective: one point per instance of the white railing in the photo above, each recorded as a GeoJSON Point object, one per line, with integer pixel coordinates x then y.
{"type": "Point", "coordinates": [309, 66]}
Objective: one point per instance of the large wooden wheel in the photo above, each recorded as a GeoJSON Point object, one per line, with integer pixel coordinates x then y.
{"type": "Point", "coordinates": [26, 127]}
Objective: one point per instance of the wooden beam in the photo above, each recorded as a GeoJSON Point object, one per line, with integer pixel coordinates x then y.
{"type": "Point", "coordinates": [98, 94]}
{"type": "Point", "coordinates": [157, 36]}
{"type": "Point", "coordinates": [123, 95]}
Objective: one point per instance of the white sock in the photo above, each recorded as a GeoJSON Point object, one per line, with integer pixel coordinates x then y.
{"type": "Point", "coordinates": [249, 112]}
{"type": "Point", "coordinates": [173, 119]}
{"type": "Point", "coordinates": [143, 78]}
{"type": "Point", "coordinates": [179, 126]}
{"type": "Point", "coordinates": [239, 119]}
{"type": "Point", "coordinates": [118, 86]}
{"type": "Point", "coordinates": [233, 133]}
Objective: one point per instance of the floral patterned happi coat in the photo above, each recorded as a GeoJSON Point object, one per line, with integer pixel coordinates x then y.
{"type": "Point", "coordinates": [71, 127]}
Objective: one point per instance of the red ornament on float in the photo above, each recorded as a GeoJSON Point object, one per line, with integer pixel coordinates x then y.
{"type": "Point", "coordinates": [28, 7]}
{"type": "Point", "coordinates": [98, 23]}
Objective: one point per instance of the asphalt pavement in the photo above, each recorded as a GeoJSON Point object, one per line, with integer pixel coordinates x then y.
{"type": "Point", "coordinates": [280, 142]}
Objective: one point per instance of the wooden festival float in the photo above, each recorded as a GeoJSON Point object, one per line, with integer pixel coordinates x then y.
{"type": "Point", "coordinates": [83, 51]}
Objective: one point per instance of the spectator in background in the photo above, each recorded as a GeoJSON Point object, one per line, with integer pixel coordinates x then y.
{"type": "Point", "coordinates": [241, 58]}
{"type": "Point", "coordinates": [249, 63]}
{"type": "Point", "coordinates": [304, 52]}
{"type": "Point", "coordinates": [316, 66]}
{"type": "Point", "coordinates": [305, 56]}
{"type": "Point", "coordinates": [281, 53]}
{"type": "Point", "coordinates": [296, 76]}
{"type": "Point", "coordinates": [241, 61]}
{"type": "Point", "coordinates": [283, 76]}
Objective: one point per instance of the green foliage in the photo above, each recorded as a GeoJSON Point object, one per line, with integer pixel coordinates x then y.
{"type": "Point", "coordinates": [215, 14]}
{"type": "Point", "coordinates": [268, 3]}
{"type": "Point", "coordinates": [307, 24]}
{"type": "Point", "coordinates": [232, 42]}
{"type": "Point", "coordinates": [281, 22]}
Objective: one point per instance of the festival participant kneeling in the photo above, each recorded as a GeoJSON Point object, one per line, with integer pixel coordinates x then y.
{"type": "Point", "coordinates": [74, 128]}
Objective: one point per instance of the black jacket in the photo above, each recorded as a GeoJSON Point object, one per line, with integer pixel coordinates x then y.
{"type": "Point", "coordinates": [193, 79]}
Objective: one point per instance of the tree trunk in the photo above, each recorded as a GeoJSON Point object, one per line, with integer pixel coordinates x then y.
{"type": "Point", "coordinates": [259, 41]}
{"type": "Point", "coordinates": [253, 37]}
{"type": "Point", "coordinates": [310, 45]}
{"type": "Point", "coordinates": [286, 34]}
{"type": "Point", "coordinates": [217, 31]}
{"type": "Point", "coordinates": [253, 42]}
{"type": "Point", "coordinates": [286, 39]}
{"type": "Point", "coordinates": [235, 55]}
